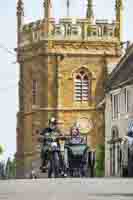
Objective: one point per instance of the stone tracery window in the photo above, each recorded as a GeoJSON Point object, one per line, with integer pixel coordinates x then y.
{"type": "Point", "coordinates": [82, 86]}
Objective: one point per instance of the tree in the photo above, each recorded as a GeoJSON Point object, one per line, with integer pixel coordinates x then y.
{"type": "Point", "coordinates": [10, 168]}
{"type": "Point", "coordinates": [2, 170]}
{"type": "Point", "coordinates": [13, 168]}
{"type": "Point", "coordinates": [1, 149]}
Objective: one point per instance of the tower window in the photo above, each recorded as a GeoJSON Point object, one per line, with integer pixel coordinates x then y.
{"type": "Point", "coordinates": [34, 91]}
{"type": "Point", "coordinates": [81, 86]}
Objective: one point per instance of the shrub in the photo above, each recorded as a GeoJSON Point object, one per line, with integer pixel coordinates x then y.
{"type": "Point", "coordinates": [100, 156]}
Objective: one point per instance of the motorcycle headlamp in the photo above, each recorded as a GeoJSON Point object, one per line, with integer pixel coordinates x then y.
{"type": "Point", "coordinates": [54, 144]}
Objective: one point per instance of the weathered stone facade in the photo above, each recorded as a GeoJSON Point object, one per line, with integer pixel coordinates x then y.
{"type": "Point", "coordinates": [51, 59]}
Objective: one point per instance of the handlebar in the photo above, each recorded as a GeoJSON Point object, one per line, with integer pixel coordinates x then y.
{"type": "Point", "coordinates": [60, 137]}
{"type": "Point", "coordinates": [66, 137]}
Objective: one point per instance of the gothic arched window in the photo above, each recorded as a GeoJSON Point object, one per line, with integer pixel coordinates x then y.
{"type": "Point", "coordinates": [82, 86]}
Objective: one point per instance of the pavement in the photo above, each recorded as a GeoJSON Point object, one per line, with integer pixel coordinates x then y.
{"type": "Point", "coordinates": [67, 189]}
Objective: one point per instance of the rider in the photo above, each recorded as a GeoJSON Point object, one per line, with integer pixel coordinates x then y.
{"type": "Point", "coordinates": [52, 129]}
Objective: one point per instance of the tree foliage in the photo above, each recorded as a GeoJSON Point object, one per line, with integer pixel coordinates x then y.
{"type": "Point", "coordinates": [10, 169]}
{"type": "Point", "coordinates": [2, 170]}
{"type": "Point", "coordinates": [1, 149]}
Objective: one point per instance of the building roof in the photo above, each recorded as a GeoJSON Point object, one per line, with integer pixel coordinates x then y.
{"type": "Point", "coordinates": [123, 72]}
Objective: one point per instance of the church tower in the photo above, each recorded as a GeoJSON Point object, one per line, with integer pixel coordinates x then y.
{"type": "Point", "coordinates": [63, 69]}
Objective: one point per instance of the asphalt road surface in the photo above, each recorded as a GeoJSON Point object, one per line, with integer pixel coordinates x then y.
{"type": "Point", "coordinates": [67, 189]}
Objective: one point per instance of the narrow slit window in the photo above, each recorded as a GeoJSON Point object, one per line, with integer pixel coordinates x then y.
{"type": "Point", "coordinates": [34, 91]}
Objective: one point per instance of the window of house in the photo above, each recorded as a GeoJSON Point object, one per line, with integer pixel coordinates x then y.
{"type": "Point", "coordinates": [81, 86]}
{"type": "Point", "coordinates": [123, 100]}
{"type": "Point", "coordinates": [128, 101]}
{"type": "Point", "coordinates": [115, 105]}
{"type": "Point", "coordinates": [34, 91]}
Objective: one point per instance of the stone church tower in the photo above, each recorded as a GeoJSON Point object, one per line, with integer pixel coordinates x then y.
{"type": "Point", "coordinates": [63, 69]}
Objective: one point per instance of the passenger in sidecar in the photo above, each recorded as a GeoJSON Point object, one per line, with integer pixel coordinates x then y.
{"type": "Point", "coordinates": [76, 154]}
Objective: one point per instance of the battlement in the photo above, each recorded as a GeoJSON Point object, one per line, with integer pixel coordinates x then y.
{"type": "Point", "coordinates": [68, 29]}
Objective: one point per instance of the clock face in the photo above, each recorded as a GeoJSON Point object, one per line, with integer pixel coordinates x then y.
{"type": "Point", "coordinates": [85, 125]}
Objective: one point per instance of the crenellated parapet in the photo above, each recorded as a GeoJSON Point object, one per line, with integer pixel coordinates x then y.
{"type": "Point", "coordinates": [68, 29]}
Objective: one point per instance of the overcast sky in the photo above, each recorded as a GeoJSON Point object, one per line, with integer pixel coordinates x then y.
{"type": "Point", "coordinates": [8, 68]}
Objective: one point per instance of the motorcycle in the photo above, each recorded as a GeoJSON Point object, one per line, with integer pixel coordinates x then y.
{"type": "Point", "coordinates": [54, 160]}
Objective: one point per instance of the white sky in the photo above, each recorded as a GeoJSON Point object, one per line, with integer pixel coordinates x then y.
{"type": "Point", "coordinates": [9, 70]}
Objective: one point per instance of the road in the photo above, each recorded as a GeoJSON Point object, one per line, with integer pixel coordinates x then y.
{"type": "Point", "coordinates": [67, 189]}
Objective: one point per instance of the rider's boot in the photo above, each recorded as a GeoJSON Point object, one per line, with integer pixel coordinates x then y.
{"type": "Point", "coordinates": [65, 174]}
{"type": "Point", "coordinates": [62, 173]}
{"type": "Point", "coordinates": [43, 167]}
